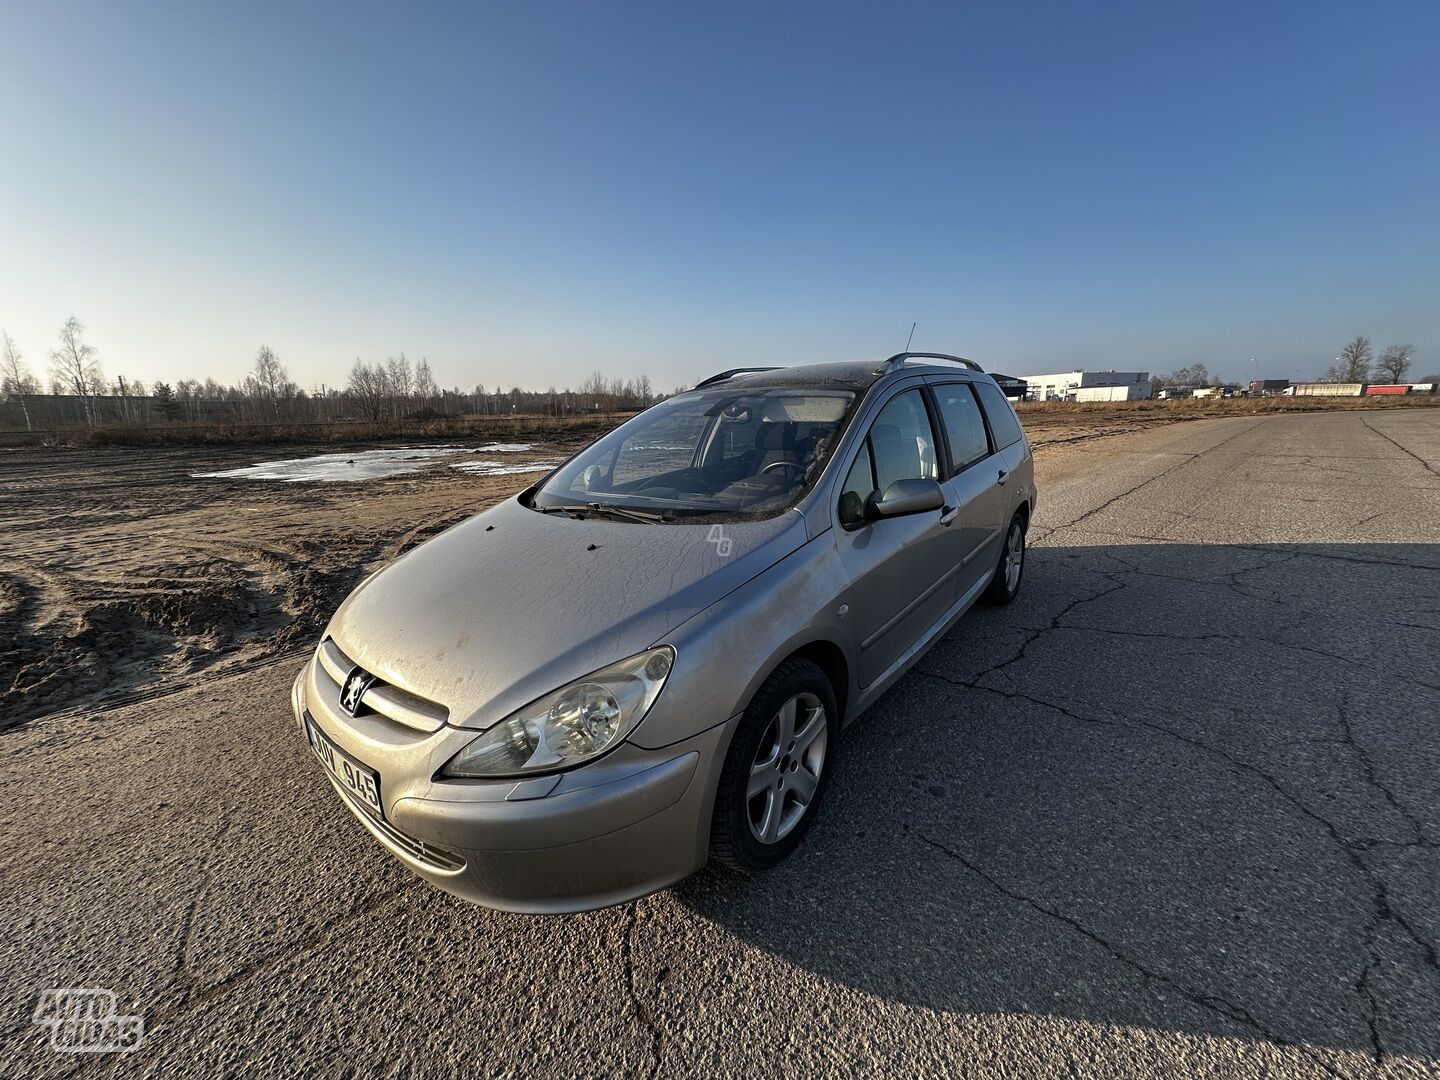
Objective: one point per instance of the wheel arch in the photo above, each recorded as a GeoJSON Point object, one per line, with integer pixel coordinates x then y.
{"type": "Point", "coordinates": [825, 653]}
{"type": "Point", "coordinates": [829, 658]}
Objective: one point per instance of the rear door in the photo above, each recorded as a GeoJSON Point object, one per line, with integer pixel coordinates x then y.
{"type": "Point", "coordinates": [900, 569]}
{"type": "Point", "coordinates": [976, 485]}
{"type": "Point", "coordinates": [1012, 451]}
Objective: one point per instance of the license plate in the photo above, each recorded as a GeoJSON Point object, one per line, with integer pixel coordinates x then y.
{"type": "Point", "coordinates": [355, 779]}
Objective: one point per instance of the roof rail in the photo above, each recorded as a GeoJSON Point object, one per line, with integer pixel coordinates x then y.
{"type": "Point", "coordinates": [898, 361]}
{"type": "Point", "coordinates": [730, 374]}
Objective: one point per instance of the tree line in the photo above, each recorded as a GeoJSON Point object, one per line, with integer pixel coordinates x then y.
{"type": "Point", "coordinates": [1353, 365]}
{"type": "Point", "coordinates": [394, 389]}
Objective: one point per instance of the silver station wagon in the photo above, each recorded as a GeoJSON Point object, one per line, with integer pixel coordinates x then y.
{"type": "Point", "coordinates": [644, 661]}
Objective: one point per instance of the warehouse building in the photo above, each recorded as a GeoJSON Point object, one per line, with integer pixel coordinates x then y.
{"type": "Point", "coordinates": [1066, 385]}
{"type": "Point", "coordinates": [1010, 386]}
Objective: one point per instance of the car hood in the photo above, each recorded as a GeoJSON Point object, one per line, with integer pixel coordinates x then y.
{"type": "Point", "coordinates": [513, 604]}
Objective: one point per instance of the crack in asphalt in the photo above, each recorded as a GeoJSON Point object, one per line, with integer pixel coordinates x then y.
{"type": "Point", "coordinates": [1161, 635]}
{"type": "Point", "coordinates": [1372, 777]}
{"type": "Point", "coordinates": [1187, 460]}
{"type": "Point", "coordinates": [1358, 560]}
{"type": "Point", "coordinates": [193, 998]}
{"type": "Point", "coordinates": [643, 1012]}
{"type": "Point", "coordinates": [1036, 633]}
{"type": "Point", "coordinates": [1396, 443]}
{"type": "Point", "coordinates": [1275, 600]}
{"type": "Point", "coordinates": [1353, 851]}
{"type": "Point", "coordinates": [1209, 1001]}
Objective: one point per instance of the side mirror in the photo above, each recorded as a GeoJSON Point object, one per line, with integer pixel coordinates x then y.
{"type": "Point", "coordinates": [911, 496]}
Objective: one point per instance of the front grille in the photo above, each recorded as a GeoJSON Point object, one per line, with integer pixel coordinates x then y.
{"type": "Point", "coordinates": [436, 858]}
{"type": "Point", "coordinates": [380, 697]}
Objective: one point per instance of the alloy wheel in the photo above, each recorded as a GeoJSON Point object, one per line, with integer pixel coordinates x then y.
{"type": "Point", "coordinates": [786, 771]}
{"type": "Point", "coordinates": [1014, 556]}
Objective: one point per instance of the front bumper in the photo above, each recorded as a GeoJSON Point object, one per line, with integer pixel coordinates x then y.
{"type": "Point", "coordinates": [626, 825]}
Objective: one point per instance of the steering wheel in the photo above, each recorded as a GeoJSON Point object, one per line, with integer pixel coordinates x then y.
{"type": "Point", "coordinates": [784, 465]}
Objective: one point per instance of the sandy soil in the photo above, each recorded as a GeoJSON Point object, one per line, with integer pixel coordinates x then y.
{"type": "Point", "coordinates": [122, 571]}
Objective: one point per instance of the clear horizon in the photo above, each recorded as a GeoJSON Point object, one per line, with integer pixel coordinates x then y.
{"type": "Point", "coordinates": [525, 196]}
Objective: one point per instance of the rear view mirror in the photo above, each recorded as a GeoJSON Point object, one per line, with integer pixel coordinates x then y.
{"type": "Point", "coordinates": [591, 477]}
{"type": "Point", "coordinates": [911, 496]}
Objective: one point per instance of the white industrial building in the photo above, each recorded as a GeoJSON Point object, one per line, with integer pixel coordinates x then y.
{"type": "Point", "coordinates": [1067, 386]}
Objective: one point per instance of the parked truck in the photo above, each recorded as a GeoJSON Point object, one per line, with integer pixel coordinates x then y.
{"type": "Point", "coordinates": [1129, 392]}
{"type": "Point", "coordinates": [1267, 387]}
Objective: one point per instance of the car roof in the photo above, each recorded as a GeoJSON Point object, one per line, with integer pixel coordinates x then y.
{"type": "Point", "coordinates": [852, 375]}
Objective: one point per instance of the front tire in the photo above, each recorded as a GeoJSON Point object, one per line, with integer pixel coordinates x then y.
{"type": "Point", "coordinates": [777, 769]}
{"type": "Point", "coordinates": [1010, 568]}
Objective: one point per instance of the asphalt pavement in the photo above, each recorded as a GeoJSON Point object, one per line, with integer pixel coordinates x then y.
{"type": "Point", "coordinates": [1177, 811]}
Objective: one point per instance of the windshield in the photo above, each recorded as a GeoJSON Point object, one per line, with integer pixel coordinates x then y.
{"type": "Point", "coordinates": [713, 452]}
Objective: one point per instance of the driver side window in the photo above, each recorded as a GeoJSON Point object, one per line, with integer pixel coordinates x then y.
{"type": "Point", "coordinates": [900, 446]}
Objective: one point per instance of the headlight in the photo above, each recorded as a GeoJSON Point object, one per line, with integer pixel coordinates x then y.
{"type": "Point", "coordinates": [574, 724]}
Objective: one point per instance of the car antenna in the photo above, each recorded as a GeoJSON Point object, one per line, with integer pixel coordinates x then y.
{"type": "Point", "coordinates": [910, 338]}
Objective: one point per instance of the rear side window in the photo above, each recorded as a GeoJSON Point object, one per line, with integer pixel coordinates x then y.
{"type": "Point", "coordinates": [964, 426]}
{"type": "Point", "coordinates": [1003, 423]}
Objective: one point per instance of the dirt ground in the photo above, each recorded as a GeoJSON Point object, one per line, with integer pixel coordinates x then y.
{"type": "Point", "coordinates": [125, 571]}
{"type": "Point", "coordinates": [122, 571]}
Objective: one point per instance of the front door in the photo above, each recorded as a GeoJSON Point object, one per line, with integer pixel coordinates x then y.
{"type": "Point", "coordinates": [901, 569]}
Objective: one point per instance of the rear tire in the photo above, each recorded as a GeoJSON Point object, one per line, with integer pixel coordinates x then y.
{"type": "Point", "coordinates": [777, 769]}
{"type": "Point", "coordinates": [1010, 566]}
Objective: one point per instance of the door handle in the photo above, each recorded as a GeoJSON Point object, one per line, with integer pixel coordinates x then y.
{"type": "Point", "coordinates": [1002, 478]}
{"type": "Point", "coordinates": [948, 514]}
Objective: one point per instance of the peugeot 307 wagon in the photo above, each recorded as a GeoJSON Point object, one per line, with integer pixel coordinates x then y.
{"type": "Point", "coordinates": [645, 660]}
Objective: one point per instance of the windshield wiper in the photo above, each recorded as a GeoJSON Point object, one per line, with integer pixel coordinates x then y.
{"type": "Point", "coordinates": [574, 511]}
{"type": "Point", "coordinates": [626, 513]}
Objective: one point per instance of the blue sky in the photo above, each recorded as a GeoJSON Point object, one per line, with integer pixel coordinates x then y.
{"type": "Point", "coordinates": [524, 193]}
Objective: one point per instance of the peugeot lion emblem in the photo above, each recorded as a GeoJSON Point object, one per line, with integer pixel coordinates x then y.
{"type": "Point", "coordinates": [356, 683]}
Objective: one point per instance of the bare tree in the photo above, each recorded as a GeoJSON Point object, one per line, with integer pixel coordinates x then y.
{"type": "Point", "coordinates": [398, 370]}
{"type": "Point", "coordinates": [424, 380]}
{"type": "Point", "coordinates": [1353, 363]}
{"type": "Point", "coordinates": [1395, 362]}
{"type": "Point", "coordinates": [269, 379]}
{"type": "Point", "coordinates": [369, 389]}
{"type": "Point", "coordinates": [1188, 377]}
{"type": "Point", "coordinates": [15, 377]}
{"type": "Point", "coordinates": [74, 365]}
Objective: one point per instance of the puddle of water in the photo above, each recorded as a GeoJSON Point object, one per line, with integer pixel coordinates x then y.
{"type": "Point", "coordinates": [501, 448]}
{"type": "Point", "coordinates": [356, 465]}
{"type": "Point", "coordinates": [503, 468]}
